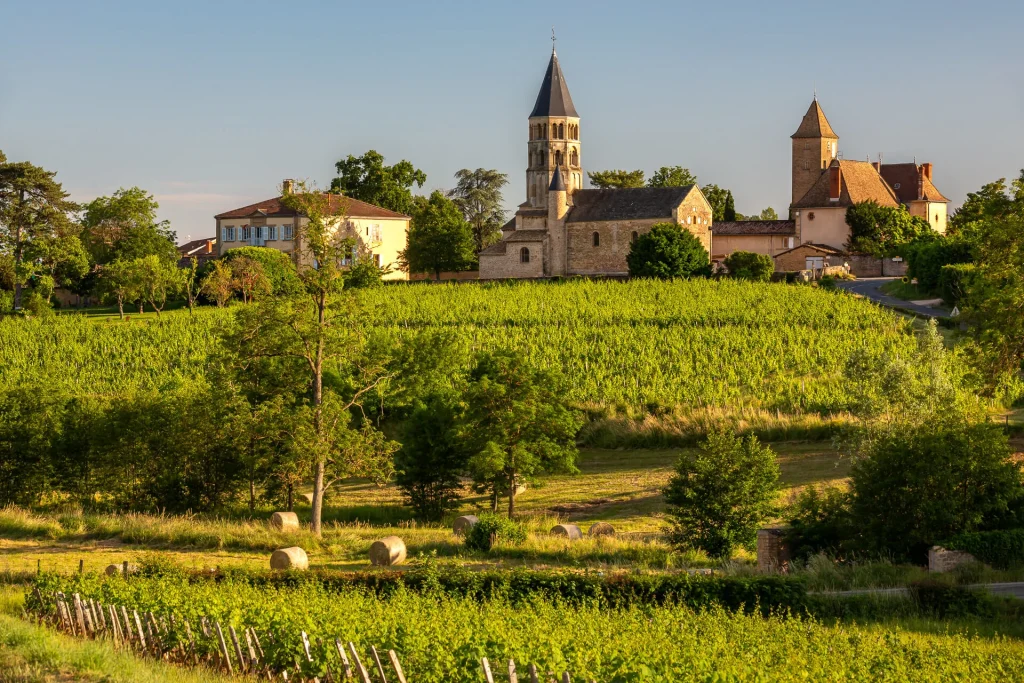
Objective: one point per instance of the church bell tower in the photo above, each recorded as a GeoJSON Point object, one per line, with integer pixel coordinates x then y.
{"type": "Point", "coordinates": [554, 140]}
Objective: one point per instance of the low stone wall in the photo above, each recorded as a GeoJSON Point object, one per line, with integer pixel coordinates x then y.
{"type": "Point", "coordinates": [446, 275]}
{"type": "Point", "coordinates": [773, 553]}
{"type": "Point", "coordinates": [942, 560]}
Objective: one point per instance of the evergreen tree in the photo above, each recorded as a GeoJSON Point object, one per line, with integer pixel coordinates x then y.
{"type": "Point", "coordinates": [478, 196]}
{"type": "Point", "coordinates": [729, 212]}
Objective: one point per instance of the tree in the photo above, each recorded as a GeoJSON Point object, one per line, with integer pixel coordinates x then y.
{"type": "Point", "coordinates": [668, 251]}
{"type": "Point", "coordinates": [721, 493]}
{"type": "Point", "coordinates": [119, 281]}
{"type": "Point", "coordinates": [60, 260]}
{"type": "Point", "coordinates": [995, 297]}
{"type": "Point", "coordinates": [994, 201]}
{"type": "Point", "coordinates": [439, 239]}
{"type": "Point", "coordinates": [433, 456]}
{"type": "Point", "coordinates": [767, 214]}
{"type": "Point", "coordinates": [672, 176]}
{"type": "Point", "coordinates": [34, 211]}
{"type": "Point", "coordinates": [158, 279]}
{"type": "Point", "coordinates": [716, 197]}
{"type": "Point", "coordinates": [125, 226]}
{"type": "Point", "coordinates": [519, 424]}
{"type": "Point", "coordinates": [191, 284]}
{"type": "Point", "coordinates": [608, 180]}
{"type": "Point", "coordinates": [277, 266]}
{"type": "Point", "coordinates": [729, 211]}
{"type": "Point", "coordinates": [880, 230]}
{"type": "Point", "coordinates": [248, 278]}
{"type": "Point", "coordinates": [367, 179]}
{"type": "Point", "coordinates": [478, 196]}
{"type": "Point", "coordinates": [746, 265]}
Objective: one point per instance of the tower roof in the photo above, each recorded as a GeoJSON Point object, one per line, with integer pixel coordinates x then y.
{"type": "Point", "coordinates": [553, 98]}
{"type": "Point", "coordinates": [557, 183]}
{"type": "Point", "coordinates": [815, 125]}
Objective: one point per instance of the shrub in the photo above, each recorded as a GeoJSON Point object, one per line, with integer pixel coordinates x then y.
{"type": "Point", "coordinates": [491, 529]}
{"type": "Point", "coordinates": [1000, 549]}
{"type": "Point", "coordinates": [955, 281]}
{"type": "Point", "coordinates": [721, 493]}
{"type": "Point", "coordinates": [820, 522]}
{"type": "Point", "coordinates": [277, 267]}
{"type": "Point", "coordinates": [925, 259]}
{"type": "Point", "coordinates": [668, 251]}
{"type": "Point", "coordinates": [746, 265]}
{"type": "Point", "coordinates": [944, 601]}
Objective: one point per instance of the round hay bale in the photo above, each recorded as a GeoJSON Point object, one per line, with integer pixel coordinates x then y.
{"type": "Point", "coordinates": [463, 524]}
{"type": "Point", "coordinates": [387, 551]}
{"type": "Point", "coordinates": [285, 521]}
{"type": "Point", "coordinates": [289, 558]}
{"type": "Point", "coordinates": [117, 569]}
{"type": "Point", "coordinates": [570, 531]}
{"type": "Point", "coordinates": [308, 497]}
{"type": "Point", "coordinates": [601, 529]}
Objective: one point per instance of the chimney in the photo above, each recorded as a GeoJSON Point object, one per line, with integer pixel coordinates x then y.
{"type": "Point", "coordinates": [209, 246]}
{"type": "Point", "coordinates": [287, 185]}
{"type": "Point", "coordinates": [927, 170]}
{"type": "Point", "coordinates": [835, 182]}
{"type": "Point", "coordinates": [920, 182]}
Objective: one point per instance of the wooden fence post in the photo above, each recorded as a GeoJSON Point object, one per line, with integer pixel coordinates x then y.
{"type": "Point", "coordinates": [141, 633]}
{"type": "Point", "coordinates": [363, 673]}
{"type": "Point", "coordinates": [513, 677]}
{"type": "Point", "coordinates": [223, 647]}
{"type": "Point", "coordinates": [396, 665]}
{"type": "Point", "coordinates": [344, 659]}
{"type": "Point", "coordinates": [488, 676]}
{"type": "Point", "coordinates": [238, 649]}
{"type": "Point", "coordinates": [533, 673]}
{"type": "Point", "coordinates": [380, 667]}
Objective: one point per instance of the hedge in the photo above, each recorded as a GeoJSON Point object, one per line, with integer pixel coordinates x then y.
{"type": "Point", "coordinates": [999, 549]}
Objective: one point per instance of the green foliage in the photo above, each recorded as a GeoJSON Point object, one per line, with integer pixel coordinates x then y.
{"type": "Point", "coordinates": [367, 179]}
{"type": "Point", "coordinates": [914, 487]}
{"type": "Point", "coordinates": [440, 238]}
{"type": "Point", "coordinates": [518, 424]}
{"type": "Point", "coordinates": [1002, 549]}
{"type": "Point", "coordinates": [478, 195]}
{"type": "Point", "coordinates": [927, 257]}
{"type": "Point", "coordinates": [491, 529]}
{"type": "Point", "coordinates": [943, 601]}
{"type": "Point", "coordinates": [124, 226]}
{"type": "Point", "coordinates": [668, 251]}
{"type": "Point", "coordinates": [955, 280]}
{"type": "Point", "coordinates": [994, 202]}
{"type": "Point", "coordinates": [364, 273]}
{"type": "Point", "coordinates": [433, 456]}
{"type": "Point", "coordinates": [276, 265]}
{"type": "Point", "coordinates": [721, 493]}
{"type": "Point", "coordinates": [671, 176]}
{"type": "Point", "coordinates": [819, 521]}
{"type": "Point", "coordinates": [729, 212]}
{"type": "Point", "coordinates": [996, 293]}
{"type": "Point", "coordinates": [618, 179]}
{"type": "Point", "coordinates": [767, 214]}
{"type": "Point", "coordinates": [717, 198]}
{"type": "Point", "coordinates": [746, 265]}
{"type": "Point", "coordinates": [881, 230]}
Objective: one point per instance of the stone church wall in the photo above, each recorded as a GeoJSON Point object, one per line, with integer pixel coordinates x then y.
{"type": "Point", "coordinates": [609, 257]}
{"type": "Point", "coordinates": [509, 264]}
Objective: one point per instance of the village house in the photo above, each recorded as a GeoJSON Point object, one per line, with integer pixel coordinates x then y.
{"type": "Point", "coordinates": [380, 233]}
{"type": "Point", "coordinates": [562, 229]}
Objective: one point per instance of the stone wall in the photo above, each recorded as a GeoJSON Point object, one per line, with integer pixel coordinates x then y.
{"type": "Point", "coordinates": [609, 257]}
{"type": "Point", "coordinates": [447, 275]}
{"type": "Point", "coordinates": [509, 264]}
{"type": "Point", "coordinates": [773, 554]}
{"type": "Point", "coordinates": [943, 560]}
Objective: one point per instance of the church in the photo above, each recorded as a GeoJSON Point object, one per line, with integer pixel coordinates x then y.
{"type": "Point", "coordinates": [562, 229]}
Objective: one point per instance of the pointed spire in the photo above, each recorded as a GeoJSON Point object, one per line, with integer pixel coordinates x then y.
{"type": "Point", "coordinates": [557, 183]}
{"type": "Point", "coordinates": [814, 124]}
{"type": "Point", "coordinates": [553, 98]}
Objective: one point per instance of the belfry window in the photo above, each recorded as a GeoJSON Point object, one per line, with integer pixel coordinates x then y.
{"type": "Point", "coordinates": [597, 239]}
{"type": "Point", "coordinates": [634, 237]}
{"type": "Point", "coordinates": [524, 255]}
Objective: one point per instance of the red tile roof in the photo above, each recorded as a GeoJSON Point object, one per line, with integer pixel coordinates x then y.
{"type": "Point", "coordinates": [903, 179]}
{"type": "Point", "coordinates": [754, 228]}
{"type": "Point", "coordinates": [860, 183]}
{"type": "Point", "coordinates": [276, 208]}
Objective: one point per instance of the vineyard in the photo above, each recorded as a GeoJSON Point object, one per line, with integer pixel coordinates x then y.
{"type": "Point", "coordinates": [299, 628]}
{"type": "Point", "coordinates": [637, 345]}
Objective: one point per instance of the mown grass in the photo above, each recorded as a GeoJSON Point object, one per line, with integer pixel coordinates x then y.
{"type": "Point", "coordinates": [906, 291]}
{"type": "Point", "coordinates": [29, 653]}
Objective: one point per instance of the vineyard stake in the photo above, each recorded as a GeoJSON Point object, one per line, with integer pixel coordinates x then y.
{"type": "Point", "coordinates": [344, 659]}
{"type": "Point", "coordinates": [238, 649]}
{"type": "Point", "coordinates": [565, 677]}
{"type": "Point", "coordinates": [79, 618]}
{"type": "Point", "coordinates": [513, 677]}
{"type": "Point", "coordinates": [252, 651]}
{"type": "Point", "coordinates": [380, 667]}
{"type": "Point", "coordinates": [533, 673]}
{"type": "Point", "coordinates": [127, 626]}
{"type": "Point", "coordinates": [363, 673]}
{"type": "Point", "coordinates": [98, 608]}
{"type": "Point", "coordinates": [141, 633]}
{"type": "Point", "coordinates": [224, 648]}
{"type": "Point", "coordinates": [488, 676]}
{"type": "Point", "coordinates": [397, 666]}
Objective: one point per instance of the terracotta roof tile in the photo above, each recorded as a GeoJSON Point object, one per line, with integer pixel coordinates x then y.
{"type": "Point", "coordinates": [754, 228]}
{"type": "Point", "coordinates": [276, 208]}
{"type": "Point", "coordinates": [821, 248]}
{"type": "Point", "coordinates": [860, 183]}
{"type": "Point", "coordinates": [903, 178]}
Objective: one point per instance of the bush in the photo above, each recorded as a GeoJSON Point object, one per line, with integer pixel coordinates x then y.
{"type": "Point", "coordinates": [277, 267]}
{"type": "Point", "coordinates": [746, 265]}
{"type": "Point", "coordinates": [955, 281]}
{"type": "Point", "coordinates": [1000, 549]}
{"type": "Point", "coordinates": [364, 274]}
{"type": "Point", "coordinates": [944, 601]}
{"type": "Point", "coordinates": [819, 522]}
{"type": "Point", "coordinates": [919, 486]}
{"type": "Point", "coordinates": [491, 529]}
{"type": "Point", "coordinates": [668, 251]}
{"type": "Point", "coordinates": [721, 493]}
{"type": "Point", "coordinates": [925, 259]}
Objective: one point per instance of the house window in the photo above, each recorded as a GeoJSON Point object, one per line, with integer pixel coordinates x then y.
{"type": "Point", "coordinates": [373, 232]}
{"type": "Point", "coordinates": [259, 232]}
{"type": "Point", "coordinates": [634, 237]}
{"type": "Point", "coordinates": [286, 232]}
{"type": "Point", "coordinates": [789, 242]}
{"type": "Point", "coordinates": [524, 255]}
{"type": "Point", "coordinates": [246, 233]}
{"type": "Point", "coordinates": [597, 239]}
{"type": "Point", "coordinates": [376, 260]}
{"type": "Point", "coordinates": [271, 232]}
{"type": "Point", "coordinates": [229, 234]}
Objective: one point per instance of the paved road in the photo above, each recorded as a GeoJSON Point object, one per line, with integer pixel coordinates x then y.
{"type": "Point", "coordinates": [871, 288]}
{"type": "Point", "coordinates": [1011, 590]}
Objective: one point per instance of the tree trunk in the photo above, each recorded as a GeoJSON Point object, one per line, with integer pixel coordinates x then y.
{"type": "Point", "coordinates": [19, 254]}
{"type": "Point", "coordinates": [291, 501]}
{"type": "Point", "coordinates": [511, 497]}
{"type": "Point", "coordinates": [141, 306]}
{"type": "Point", "coordinates": [494, 500]}
{"type": "Point", "coordinates": [120, 307]}
{"type": "Point", "coordinates": [252, 494]}
{"type": "Point", "coordinates": [318, 399]}
{"type": "Point", "coordinates": [437, 275]}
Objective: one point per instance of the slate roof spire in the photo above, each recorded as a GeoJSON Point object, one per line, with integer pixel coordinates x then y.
{"type": "Point", "coordinates": [814, 123]}
{"type": "Point", "coordinates": [557, 182]}
{"type": "Point", "coordinates": [553, 98]}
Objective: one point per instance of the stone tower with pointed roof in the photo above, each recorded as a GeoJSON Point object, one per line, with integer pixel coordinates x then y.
{"type": "Point", "coordinates": [554, 139]}
{"type": "Point", "coordinates": [815, 145]}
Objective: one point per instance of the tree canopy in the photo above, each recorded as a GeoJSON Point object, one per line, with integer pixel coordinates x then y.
{"type": "Point", "coordinates": [368, 179]}
{"type": "Point", "coordinates": [440, 239]}
{"type": "Point", "coordinates": [672, 176]}
{"type": "Point", "coordinates": [478, 195]}
{"type": "Point", "coordinates": [125, 226]}
{"type": "Point", "coordinates": [668, 251]}
{"type": "Point", "coordinates": [618, 179]}
{"type": "Point", "coordinates": [881, 230]}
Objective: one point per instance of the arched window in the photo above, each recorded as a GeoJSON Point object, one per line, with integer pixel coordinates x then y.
{"type": "Point", "coordinates": [597, 239]}
{"type": "Point", "coordinates": [634, 237]}
{"type": "Point", "coordinates": [561, 131]}
{"type": "Point", "coordinates": [558, 158]}
{"type": "Point", "coordinates": [554, 130]}
{"type": "Point", "coordinates": [575, 158]}
{"type": "Point", "coordinates": [524, 255]}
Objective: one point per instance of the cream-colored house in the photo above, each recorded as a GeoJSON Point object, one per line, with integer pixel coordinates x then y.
{"type": "Point", "coordinates": [380, 232]}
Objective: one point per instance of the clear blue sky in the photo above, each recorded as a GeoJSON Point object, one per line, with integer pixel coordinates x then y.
{"type": "Point", "coordinates": [210, 104]}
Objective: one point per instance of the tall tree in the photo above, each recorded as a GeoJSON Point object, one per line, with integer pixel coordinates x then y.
{"type": "Point", "coordinates": [125, 226]}
{"type": "Point", "coordinates": [995, 300]}
{"type": "Point", "coordinates": [34, 211]}
{"type": "Point", "coordinates": [880, 230]}
{"type": "Point", "coordinates": [191, 285]}
{"type": "Point", "coordinates": [119, 281]}
{"type": "Point", "coordinates": [159, 279]}
{"type": "Point", "coordinates": [729, 212]}
{"type": "Point", "coordinates": [994, 201]}
{"type": "Point", "coordinates": [672, 176]}
{"type": "Point", "coordinates": [519, 423]}
{"type": "Point", "coordinates": [478, 195]}
{"type": "Point", "coordinates": [717, 197]}
{"type": "Point", "coordinates": [668, 251]}
{"type": "Point", "coordinates": [609, 180]}
{"type": "Point", "coordinates": [248, 278]}
{"type": "Point", "coordinates": [367, 179]}
{"type": "Point", "coordinates": [440, 239]}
